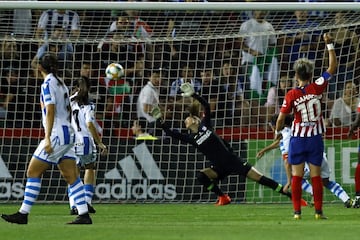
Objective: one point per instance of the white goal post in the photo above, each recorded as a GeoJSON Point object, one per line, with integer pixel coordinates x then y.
{"type": "Point", "coordinates": [199, 41]}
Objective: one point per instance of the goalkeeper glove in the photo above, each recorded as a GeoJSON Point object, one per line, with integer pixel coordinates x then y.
{"type": "Point", "coordinates": [156, 112]}
{"type": "Point", "coordinates": [187, 89]}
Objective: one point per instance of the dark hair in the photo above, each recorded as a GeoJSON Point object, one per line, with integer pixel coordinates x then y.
{"type": "Point", "coordinates": [288, 120]}
{"type": "Point", "coordinates": [83, 91]}
{"type": "Point", "coordinates": [49, 63]}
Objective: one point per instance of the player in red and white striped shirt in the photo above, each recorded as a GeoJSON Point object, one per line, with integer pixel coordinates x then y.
{"type": "Point", "coordinates": [306, 143]}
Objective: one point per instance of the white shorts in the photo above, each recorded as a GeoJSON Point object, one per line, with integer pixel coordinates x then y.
{"type": "Point", "coordinates": [85, 153]}
{"type": "Point", "coordinates": [82, 160]}
{"type": "Point", "coordinates": [60, 152]}
{"type": "Point", "coordinates": [325, 169]}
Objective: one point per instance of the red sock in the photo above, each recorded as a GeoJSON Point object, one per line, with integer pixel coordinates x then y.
{"type": "Point", "coordinates": [357, 178]}
{"type": "Point", "coordinates": [318, 192]}
{"type": "Point", "coordinates": [296, 192]}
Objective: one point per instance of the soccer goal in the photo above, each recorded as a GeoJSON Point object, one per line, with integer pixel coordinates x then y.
{"type": "Point", "coordinates": [241, 65]}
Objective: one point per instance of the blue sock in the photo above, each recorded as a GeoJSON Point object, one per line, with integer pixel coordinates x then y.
{"type": "Point", "coordinates": [32, 190]}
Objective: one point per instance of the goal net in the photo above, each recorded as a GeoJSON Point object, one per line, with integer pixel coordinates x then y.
{"type": "Point", "coordinates": [242, 66]}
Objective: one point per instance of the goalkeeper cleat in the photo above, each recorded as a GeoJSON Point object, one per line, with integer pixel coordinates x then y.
{"type": "Point", "coordinates": [303, 202]}
{"type": "Point", "coordinates": [356, 203]}
{"type": "Point", "coordinates": [91, 209]}
{"type": "Point", "coordinates": [19, 218]}
{"type": "Point", "coordinates": [349, 203]}
{"type": "Point", "coordinates": [223, 200]}
{"type": "Point", "coordinates": [82, 219]}
{"type": "Point", "coordinates": [320, 216]}
{"type": "Point", "coordinates": [73, 211]}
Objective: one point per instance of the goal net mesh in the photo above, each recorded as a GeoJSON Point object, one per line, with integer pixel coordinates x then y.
{"type": "Point", "coordinates": [205, 47]}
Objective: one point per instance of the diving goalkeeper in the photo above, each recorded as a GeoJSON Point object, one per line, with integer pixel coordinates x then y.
{"type": "Point", "coordinates": [223, 161]}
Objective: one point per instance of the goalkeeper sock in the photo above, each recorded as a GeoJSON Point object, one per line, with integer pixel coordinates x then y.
{"type": "Point", "coordinates": [273, 185]}
{"type": "Point", "coordinates": [209, 184]}
{"type": "Point", "coordinates": [215, 189]}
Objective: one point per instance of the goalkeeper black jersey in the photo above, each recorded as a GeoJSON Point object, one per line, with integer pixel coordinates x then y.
{"type": "Point", "coordinates": [206, 140]}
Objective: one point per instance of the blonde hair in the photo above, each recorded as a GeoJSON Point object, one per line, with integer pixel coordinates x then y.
{"type": "Point", "coordinates": [304, 68]}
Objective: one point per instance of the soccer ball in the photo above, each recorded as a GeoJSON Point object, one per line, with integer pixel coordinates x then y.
{"type": "Point", "coordinates": [114, 71]}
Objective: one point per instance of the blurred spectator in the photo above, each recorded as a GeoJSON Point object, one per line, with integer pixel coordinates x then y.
{"type": "Point", "coordinates": [64, 51]}
{"type": "Point", "coordinates": [9, 55]}
{"type": "Point", "coordinates": [301, 43]}
{"type": "Point", "coordinates": [122, 27]}
{"type": "Point", "coordinates": [185, 23]}
{"type": "Point", "coordinates": [136, 71]}
{"type": "Point", "coordinates": [187, 74]}
{"type": "Point", "coordinates": [237, 109]}
{"type": "Point", "coordinates": [132, 28]}
{"type": "Point", "coordinates": [32, 103]}
{"type": "Point", "coordinates": [23, 22]}
{"type": "Point", "coordinates": [258, 62]}
{"type": "Point", "coordinates": [68, 20]}
{"type": "Point", "coordinates": [116, 51]}
{"type": "Point", "coordinates": [277, 93]}
{"type": "Point", "coordinates": [275, 97]}
{"type": "Point", "coordinates": [139, 128]}
{"type": "Point", "coordinates": [15, 92]}
{"type": "Point", "coordinates": [316, 13]}
{"type": "Point", "coordinates": [136, 78]}
{"type": "Point", "coordinates": [149, 96]}
{"type": "Point", "coordinates": [343, 112]}
{"type": "Point", "coordinates": [212, 92]}
{"type": "Point", "coordinates": [346, 42]}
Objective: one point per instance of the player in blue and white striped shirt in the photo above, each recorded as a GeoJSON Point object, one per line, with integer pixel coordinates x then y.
{"type": "Point", "coordinates": [55, 148]}
{"type": "Point", "coordinates": [86, 132]}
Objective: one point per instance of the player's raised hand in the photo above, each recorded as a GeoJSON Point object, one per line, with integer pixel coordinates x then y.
{"type": "Point", "coordinates": [327, 38]}
{"type": "Point", "coordinates": [187, 89]}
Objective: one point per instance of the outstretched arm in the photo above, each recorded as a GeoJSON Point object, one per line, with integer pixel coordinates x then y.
{"type": "Point", "coordinates": [188, 91]}
{"type": "Point", "coordinates": [174, 133]}
{"type": "Point", "coordinates": [272, 146]}
{"type": "Point", "coordinates": [332, 56]}
{"type": "Point", "coordinates": [207, 112]}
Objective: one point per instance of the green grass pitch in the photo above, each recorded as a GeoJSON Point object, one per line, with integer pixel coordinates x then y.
{"type": "Point", "coordinates": [184, 221]}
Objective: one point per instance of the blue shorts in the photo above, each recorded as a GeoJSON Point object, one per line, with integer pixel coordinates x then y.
{"type": "Point", "coordinates": [306, 149]}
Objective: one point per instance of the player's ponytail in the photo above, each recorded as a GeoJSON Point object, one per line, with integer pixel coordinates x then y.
{"type": "Point", "coordinates": [83, 93]}
{"type": "Point", "coordinates": [49, 63]}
